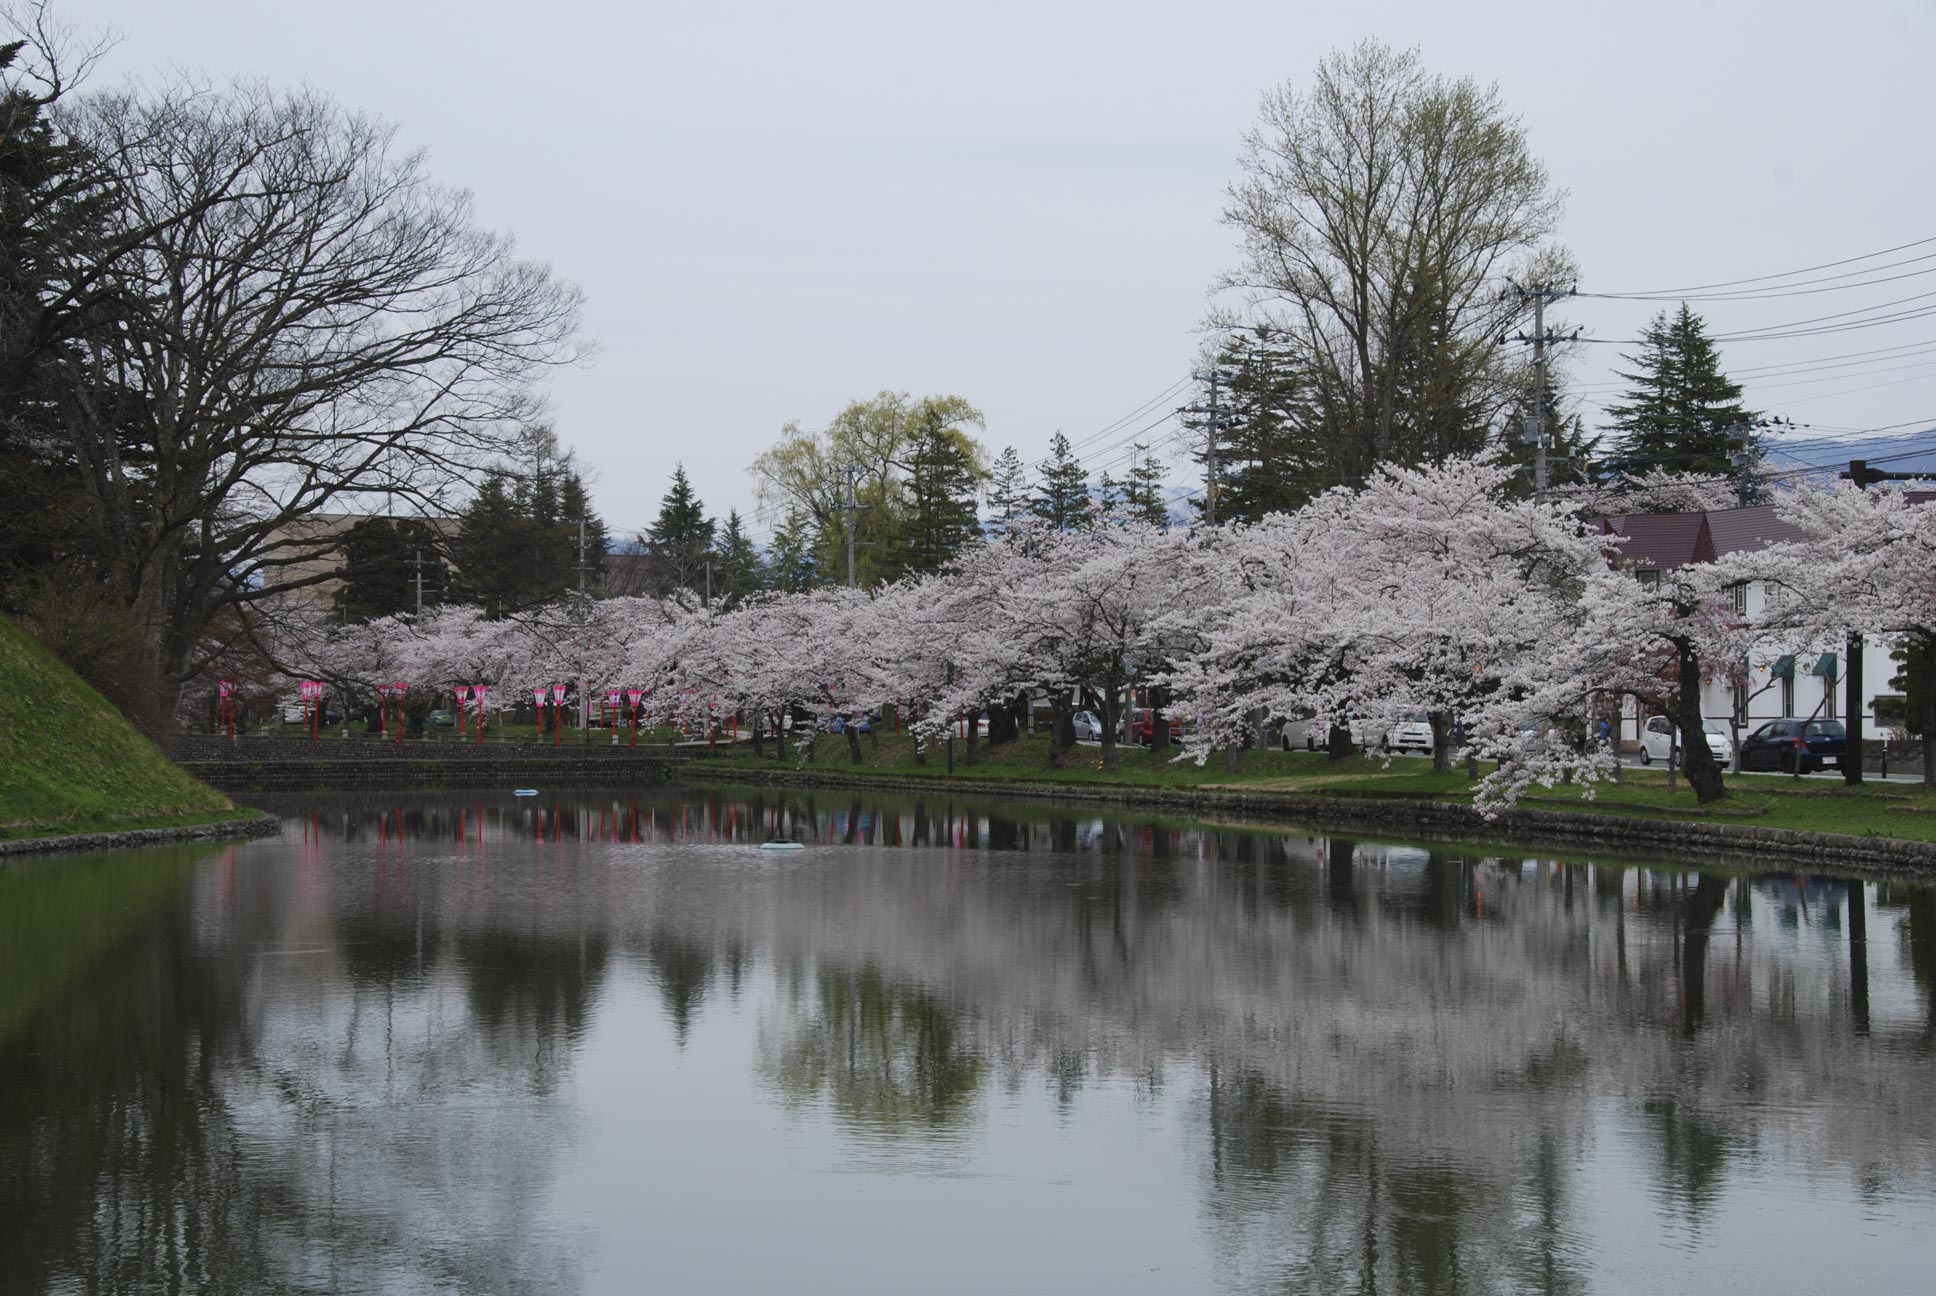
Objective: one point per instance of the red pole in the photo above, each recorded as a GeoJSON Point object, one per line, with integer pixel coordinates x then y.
{"type": "Point", "coordinates": [557, 723]}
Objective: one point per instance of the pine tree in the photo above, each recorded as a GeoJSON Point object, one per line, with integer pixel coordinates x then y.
{"type": "Point", "coordinates": [1272, 456]}
{"type": "Point", "coordinates": [1008, 492]}
{"type": "Point", "coordinates": [1143, 490]}
{"type": "Point", "coordinates": [738, 570]}
{"type": "Point", "coordinates": [791, 566]}
{"type": "Point", "coordinates": [574, 503]}
{"type": "Point", "coordinates": [679, 540]}
{"type": "Point", "coordinates": [1062, 500]}
{"type": "Point", "coordinates": [941, 487]}
{"type": "Point", "coordinates": [381, 558]}
{"type": "Point", "coordinates": [493, 549]}
{"type": "Point", "coordinates": [1680, 409]}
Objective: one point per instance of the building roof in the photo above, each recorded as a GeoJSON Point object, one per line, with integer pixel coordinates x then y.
{"type": "Point", "coordinates": [1747, 529]}
{"type": "Point", "coordinates": [1661, 541]}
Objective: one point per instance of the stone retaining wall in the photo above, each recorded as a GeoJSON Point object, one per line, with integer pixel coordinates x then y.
{"type": "Point", "coordinates": [256, 825]}
{"type": "Point", "coordinates": [1742, 845]}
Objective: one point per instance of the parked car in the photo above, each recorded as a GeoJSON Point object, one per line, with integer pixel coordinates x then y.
{"type": "Point", "coordinates": [1794, 745]}
{"type": "Point", "coordinates": [861, 722]}
{"type": "Point", "coordinates": [1088, 727]}
{"type": "Point", "coordinates": [1412, 734]}
{"type": "Point", "coordinates": [441, 720]}
{"type": "Point", "coordinates": [1315, 735]}
{"type": "Point", "coordinates": [1657, 741]}
{"type": "Point", "coordinates": [1142, 732]}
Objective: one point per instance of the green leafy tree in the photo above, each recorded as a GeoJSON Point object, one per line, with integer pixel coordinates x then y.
{"type": "Point", "coordinates": [1062, 493]}
{"type": "Point", "coordinates": [680, 540]}
{"type": "Point", "coordinates": [1381, 209]}
{"type": "Point", "coordinates": [869, 448]}
{"type": "Point", "coordinates": [739, 572]}
{"type": "Point", "coordinates": [1679, 409]}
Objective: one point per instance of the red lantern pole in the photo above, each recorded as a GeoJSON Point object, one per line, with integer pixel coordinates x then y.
{"type": "Point", "coordinates": [399, 690]}
{"type": "Point", "coordinates": [479, 689]}
{"type": "Point", "coordinates": [557, 715]}
{"type": "Point", "coordinates": [382, 710]}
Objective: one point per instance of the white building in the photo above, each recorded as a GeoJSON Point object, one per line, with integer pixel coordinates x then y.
{"type": "Point", "coordinates": [1660, 542]}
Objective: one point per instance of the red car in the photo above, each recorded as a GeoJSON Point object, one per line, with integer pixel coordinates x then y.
{"type": "Point", "coordinates": [1141, 732]}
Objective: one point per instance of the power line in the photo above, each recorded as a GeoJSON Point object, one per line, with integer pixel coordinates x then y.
{"type": "Point", "coordinates": [1786, 274]}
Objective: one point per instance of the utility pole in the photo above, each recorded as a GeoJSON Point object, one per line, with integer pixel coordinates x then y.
{"type": "Point", "coordinates": [1214, 413]}
{"type": "Point", "coordinates": [578, 611]}
{"type": "Point", "coordinates": [706, 600]}
{"type": "Point", "coordinates": [852, 505]}
{"type": "Point", "coordinates": [1863, 476]}
{"type": "Point", "coordinates": [416, 560]}
{"type": "Point", "coordinates": [1535, 427]}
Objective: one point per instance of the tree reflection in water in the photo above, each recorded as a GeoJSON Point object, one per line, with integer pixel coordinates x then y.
{"type": "Point", "coordinates": [350, 1061]}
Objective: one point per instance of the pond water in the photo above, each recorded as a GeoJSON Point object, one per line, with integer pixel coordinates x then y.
{"type": "Point", "coordinates": [592, 1043]}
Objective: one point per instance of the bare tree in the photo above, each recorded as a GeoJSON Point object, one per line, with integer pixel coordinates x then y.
{"type": "Point", "coordinates": [1379, 212]}
{"type": "Point", "coordinates": [288, 318]}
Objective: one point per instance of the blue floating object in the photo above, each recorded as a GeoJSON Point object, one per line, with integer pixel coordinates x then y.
{"type": "Point", "coordinates": [524, 792]}
{"type": "Point", "coordinates": [781, 845]}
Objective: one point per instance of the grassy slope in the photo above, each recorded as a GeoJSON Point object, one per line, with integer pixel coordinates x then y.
{"type": "Point", "coordinates": [70, 763]}
{"type": "Point", "coordinates": [1812, 805]}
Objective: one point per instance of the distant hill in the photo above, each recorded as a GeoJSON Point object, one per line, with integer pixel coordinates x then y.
{"type": "Point", "coordinates": [1913, 452]}
{"type": "Point", "coordinates": [69, 762]}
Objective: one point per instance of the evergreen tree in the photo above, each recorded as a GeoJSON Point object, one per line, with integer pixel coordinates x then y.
{"type": "Point", "coordinates": [493, 551]}
{"type": "Point", "coordinates": [1008, 493]}
{"type": "Point", "coordinates": [381, 558]}
{"type": "Point", "coordinates": [679, 541]}
{"type": "Point", "coordinates": [739, 572]}
{"type": "Point", "coordinates": [1062, 500]}
{"type": "Point", "coordinates": [574, 503]}
{"type": "Point", "coordinates": [791, 566]}
{"type": "Point", "coordinates": [1572, 456]}
{"type": "Point", "coordinates": [517, 540]}
{"type": "Point", "coordinates": [1680, 409]}
{"type": "Point", "coordinates": [941, 487]}
{"type": "Point", "coordinates": [1143, 490]}
{"type": "Point", "coordinates": [1271, 452]}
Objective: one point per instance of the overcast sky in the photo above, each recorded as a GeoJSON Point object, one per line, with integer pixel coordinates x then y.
{"type": "Point", "coordinates": [777, 208]}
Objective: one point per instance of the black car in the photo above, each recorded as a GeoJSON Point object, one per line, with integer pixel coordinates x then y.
{"type": "Point", "coordinates": [1791, 743]}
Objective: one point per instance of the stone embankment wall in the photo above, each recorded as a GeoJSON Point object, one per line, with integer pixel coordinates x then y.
{"type": "Point", "coordinates": [1741, 845]}
{"type": "Point", "coordinates": [253, 826]}
{"type": "Point", "coordinates": [351, 763]}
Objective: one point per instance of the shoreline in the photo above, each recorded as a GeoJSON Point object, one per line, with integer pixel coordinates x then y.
{"type": "Point", "coordinates": [254, 823]}
{"type": "Point", "coordinates": [1563, 829]}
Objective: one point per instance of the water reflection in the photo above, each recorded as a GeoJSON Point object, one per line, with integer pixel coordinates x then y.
{"type": "Point", "coordinates": [387, 1051]}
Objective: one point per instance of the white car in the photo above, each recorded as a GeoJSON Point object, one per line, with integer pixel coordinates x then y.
{"type": "Point", "coordinates": [1657, 742]}
{"type": "Point", "coordinates": [1412, 734]}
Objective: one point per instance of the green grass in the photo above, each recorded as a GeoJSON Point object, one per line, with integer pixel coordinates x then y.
{"type": "Point", "coordinates": [69, 762]}
{"type": "Point", "coordinates": [1899, 810]}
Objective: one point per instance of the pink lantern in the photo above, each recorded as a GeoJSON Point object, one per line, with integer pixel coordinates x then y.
{"type": "Point", "coordinates": [558, 693]}
{"type": "Point", "coordinates": [538, 695]}
{"type": "Point", "coordinates": [611, 697]}
{"type": "Point", "coordinates": [383, 690]}
{"type": "Point", "coordinates": [463, 693]}
{"type": "Point", "coordinates": [479, 691]}
{"type": "Point", "coordinates": [633, 695]}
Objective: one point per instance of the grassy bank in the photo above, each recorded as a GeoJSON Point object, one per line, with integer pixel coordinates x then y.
{"type": "Point", "coordinates": [69, 762]}
{"type": "Point", "coordinates": [1900, 810]}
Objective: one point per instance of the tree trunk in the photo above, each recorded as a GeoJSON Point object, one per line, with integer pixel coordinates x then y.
{"type": "Point", "coordinates": [1061, 734]}
{"type": "Point", "coordinates": [1697, 760]}
{"type": "Point", "coordinates": [1441, 741]}
{"type": "Point", "coordinates": [853, 742]}
{"type": "Point", "coordinates": [1159, 726]}
{"type": "Point", "coordinates": [1927, 709]}
{"type": "Point", "coordinates": [1002, 724]}
{"type": "Point", "coordinates": [1233, 757]}
{"type": "Point", "coordinates": [1337, 742]}
{"type": "Point", "coordinates": [759, 747]}
{"type": "Point", "coordinates": [1852, 724]}
{"type": "Point", "coordinates": [973, 730]}
{"type": "Point", "coordinates": [1110, 713]}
